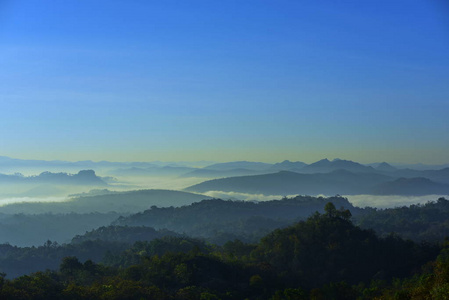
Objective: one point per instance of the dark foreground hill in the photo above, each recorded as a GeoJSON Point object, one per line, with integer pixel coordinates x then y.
{"type": "Point", "coordinates": [323, 257]}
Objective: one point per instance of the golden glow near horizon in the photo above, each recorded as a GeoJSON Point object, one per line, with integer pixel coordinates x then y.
{"type": "Point", "coordinates": [185, 82]}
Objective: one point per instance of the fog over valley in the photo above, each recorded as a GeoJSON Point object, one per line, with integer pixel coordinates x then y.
{"type": "Point", "coordinates": [254, 180]}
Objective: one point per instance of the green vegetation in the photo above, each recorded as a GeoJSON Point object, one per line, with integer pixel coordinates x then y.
{"type": "Point", "coordinates": [219, 221]}
{"type": "Point", "coordinates": [123, 234]}
{"type": "Point", "coordinates": [422, 223]}
{"type": "Point", "coordinates": [241, 250]}
{"type": "Point", "coordinates": [323, 257]}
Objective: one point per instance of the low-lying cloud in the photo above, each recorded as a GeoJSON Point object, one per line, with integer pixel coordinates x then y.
{"type": "Point", "coordinates": [244, 196]}
{"type": "Point", "coordinates": [12, 200]}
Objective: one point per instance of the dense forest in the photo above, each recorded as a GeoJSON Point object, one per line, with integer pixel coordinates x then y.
{"type": "Point", "coordinates": [421, 222]}
{"type": "Point", "coordinates": [295, 248]}
{"type": "Point", "coordinates": [323, 257]}
{"type": "Point", "coordinates": [219, 221]}
{"type": "Point", "coordinates": [215, 220]}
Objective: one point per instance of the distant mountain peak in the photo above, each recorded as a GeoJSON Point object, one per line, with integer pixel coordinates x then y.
{"type": "Point", "coordinates": [87, 173]}
{"type": "Point", "coordinates": [385, 167]}
{"type": "Point", "coordinates": [288, 165]}
{"type": "Point", "coordinates": [324, 166]}
{"type": "Point", "coordinates": [323, 161]}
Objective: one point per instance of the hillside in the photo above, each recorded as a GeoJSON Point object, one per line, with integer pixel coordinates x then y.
{"type": "Point", "coordinates": [323, 257]}
{"type": "Point", "coordinates": [123, 234]}
{"type": "Point", "coordinates": [421, 223]}
{"type": "Point", "coordinates": [440, 176]}
{"type": "Point", "coordinates": [411, 187]}
{"type": "Point", "coordinates": [290, 183]}
{"type": "Point", "coordinates": [219, 221]}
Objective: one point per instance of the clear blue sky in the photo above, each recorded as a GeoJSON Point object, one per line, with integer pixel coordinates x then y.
{"type": "Point", "coordinates": [225, 80]}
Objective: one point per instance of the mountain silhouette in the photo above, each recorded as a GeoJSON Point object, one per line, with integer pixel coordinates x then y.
{"type": "Point", "coordinates": [287, 165]}
{"type": "Point", "coordinates": [385, 167]}
{"type": "Point", "coordinates": [411, 187]}
{"type": "Point", "coordinates": [209, 173]}
{"type": "Point", "coordinates": [257, 166]}
{"type": "Point", "coordinates": [325, 166]}
{"type": "Point", "coordinates": [289, 183]}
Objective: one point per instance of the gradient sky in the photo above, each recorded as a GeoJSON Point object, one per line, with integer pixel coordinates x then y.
{"type": "Point", "coordinates": [225, 80]}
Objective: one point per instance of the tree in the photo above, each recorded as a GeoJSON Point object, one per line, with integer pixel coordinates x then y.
{"type": "Point", "coordinates": [330, 210]}
{"type": "Point", "coordinates": [70, 265]}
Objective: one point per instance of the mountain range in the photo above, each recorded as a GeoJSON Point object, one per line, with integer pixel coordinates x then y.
{"type": "Point", "coordinates": [335, 177]}
{"type": "Point", "coordinates": [328, 177]}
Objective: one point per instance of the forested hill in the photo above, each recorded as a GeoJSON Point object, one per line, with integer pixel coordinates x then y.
{"type": "Point", "coordinates": [329, 247]}
{"type": "Point", "coordinates": [216, 220]}
{"type": "Point", "coordinates": [220, 220]}
{"type": "Point", "coordinates": [422, 222]}
{"type": "Point", "coordinates": [323, 257]}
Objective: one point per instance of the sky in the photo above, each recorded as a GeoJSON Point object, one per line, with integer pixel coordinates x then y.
{"type": "Point", "coordinates": [226, 80]}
